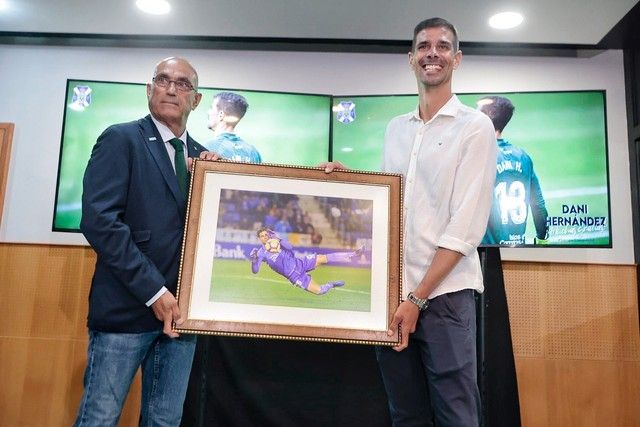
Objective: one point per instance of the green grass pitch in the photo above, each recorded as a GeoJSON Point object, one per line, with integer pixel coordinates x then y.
{"type": "Point", "coordinates": [233, 282]}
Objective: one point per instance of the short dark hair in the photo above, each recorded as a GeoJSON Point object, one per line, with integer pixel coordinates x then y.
{"type": "Point", "coordinates": [435, 23]}
{"type": "Point", "coordinates": [232, 104]}
{"type": "Point", "coordinates": [261, 230]}
{"type": "Point", "coordinates": [498, 108]}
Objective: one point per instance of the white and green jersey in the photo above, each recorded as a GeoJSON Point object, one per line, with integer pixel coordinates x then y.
{"type": "Point", "coordinates": [231, 147]}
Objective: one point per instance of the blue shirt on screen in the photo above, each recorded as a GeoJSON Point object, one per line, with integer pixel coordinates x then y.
{"type": "Point", "coordinates": [516, 190]}
{"type": "Point", "coordinates": [230, 146]}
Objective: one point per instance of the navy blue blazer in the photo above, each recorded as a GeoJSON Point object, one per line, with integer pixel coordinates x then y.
{"type": "Point", "coordinates": [133, 215]}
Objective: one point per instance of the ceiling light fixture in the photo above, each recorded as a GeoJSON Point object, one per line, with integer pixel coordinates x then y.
{"type": "Point", "coordinates": [154, 7]}
{"type": "Point", "coordinates": [505, 20]}
{"type": "Point", "coordinates": [4, 5]}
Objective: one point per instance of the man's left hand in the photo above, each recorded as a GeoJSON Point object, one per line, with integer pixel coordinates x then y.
{"type": "Point", "coordinates": [204, 155]}
{"type": "Point", "coordinates": [210, 155]}
{"type": "Point", "coordinates": [331, 166]}
{"type": "Point", "coordinates": [405, 317]}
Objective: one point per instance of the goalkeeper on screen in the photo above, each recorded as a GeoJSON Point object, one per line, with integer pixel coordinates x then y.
{"type": "Point", "coordinates": [517, 187]}
{"type": "Point", "coordinates": [278, 254]}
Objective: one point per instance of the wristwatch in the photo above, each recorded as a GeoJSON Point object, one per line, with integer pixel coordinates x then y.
{"type": "Point", "coordinates": [422, 303]}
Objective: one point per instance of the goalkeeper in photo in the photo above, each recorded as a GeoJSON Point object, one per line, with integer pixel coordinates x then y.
{"type": "Point", "coordinates": [278, 254]}
{"type": "Point", "coordinates": [517, 187]}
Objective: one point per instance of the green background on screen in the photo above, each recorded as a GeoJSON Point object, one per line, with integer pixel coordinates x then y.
{"type": "Point", "coordinates": [563, 132]}
{"type": "Point", "coordinates": [285, 128]}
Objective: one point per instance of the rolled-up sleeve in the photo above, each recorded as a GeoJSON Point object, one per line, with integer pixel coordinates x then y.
{"type": "Point", "coordinates": [472, 188]}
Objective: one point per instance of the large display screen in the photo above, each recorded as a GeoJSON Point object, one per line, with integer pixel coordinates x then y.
{"type": "Point", "coordinates": [286, 128]}
{"type": "Point", "coordinates": [562, 134]}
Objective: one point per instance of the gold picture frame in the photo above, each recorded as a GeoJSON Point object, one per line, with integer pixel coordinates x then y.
{"type": "Point", "coordinates": [357, 259]}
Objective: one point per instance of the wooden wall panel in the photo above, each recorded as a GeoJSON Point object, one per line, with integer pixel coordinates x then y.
{"type": "Point", "coordinates": [573, 310]}
{"type": "Point", "coordinates": [39, 374]}
{"type": "Point", "coordinates": [576, 343]}
{"type": "Point", "coordinates": [43, 335]}
{"type": "Point", "coordinates": [575, 333]}
{"type": "Point", "coordinates": [585, 393]}
{"type": "Point", "coordinates": [53, 286]}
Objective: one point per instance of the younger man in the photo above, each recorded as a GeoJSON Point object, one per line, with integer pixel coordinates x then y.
{"type": "Point", "coordinates": [447, 154]}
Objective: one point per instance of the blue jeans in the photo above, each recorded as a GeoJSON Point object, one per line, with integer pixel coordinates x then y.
{"type": "Point", "coordinates": [435, 377]}
{"type": "Point", "coordinates": [112, 361]}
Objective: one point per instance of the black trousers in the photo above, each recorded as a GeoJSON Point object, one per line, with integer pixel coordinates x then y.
{"type": "Point", "coordinates": [434, 380]}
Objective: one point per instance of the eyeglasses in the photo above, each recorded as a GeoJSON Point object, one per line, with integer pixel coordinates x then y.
{"type": "Point", "coordinates": [165, 82]}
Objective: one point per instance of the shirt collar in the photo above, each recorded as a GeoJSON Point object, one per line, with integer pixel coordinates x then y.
{"type": "Point", "coordinates": [165, 132]}
{"type": "Point", "coordinates": [451, 108]}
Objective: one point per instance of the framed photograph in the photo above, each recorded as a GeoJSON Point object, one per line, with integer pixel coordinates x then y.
{"type": "Point", "coordinates": [274, 251]}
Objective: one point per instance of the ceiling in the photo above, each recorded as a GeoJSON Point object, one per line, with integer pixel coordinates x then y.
{"type": "Point", "coordinates": [577, 23]}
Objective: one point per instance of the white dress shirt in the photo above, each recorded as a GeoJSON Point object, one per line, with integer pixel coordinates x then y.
{"type": "Point", "coordinates": [449, 169]}
{"type": "Point", "coordinates": [167, 135]}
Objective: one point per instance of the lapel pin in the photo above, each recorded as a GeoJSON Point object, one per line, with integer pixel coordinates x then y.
{"type": "Point", "coordinates": [152, 138]}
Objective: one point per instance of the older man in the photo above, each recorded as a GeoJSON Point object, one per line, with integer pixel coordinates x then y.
{"type": "Point", "coordinates": [133, 211]}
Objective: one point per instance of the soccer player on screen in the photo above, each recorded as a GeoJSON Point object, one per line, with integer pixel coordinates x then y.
{"type": "Point", "coordinates": [278, 254]}
{"type": "Point", "coordinates": [517, 187]}
{"type": "Point", "coordinates": [227, 109]}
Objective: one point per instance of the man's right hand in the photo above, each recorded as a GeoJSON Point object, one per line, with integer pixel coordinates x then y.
{"type": "Point", "coordinates": [254, 253]}
{"type": "Point", "coordinates": [166, 310]}
{"type": "Point", "coordinates": [331, 166]}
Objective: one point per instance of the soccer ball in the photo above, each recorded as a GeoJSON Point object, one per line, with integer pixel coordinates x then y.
{"type": "Point", "coordinates": [272, 245]}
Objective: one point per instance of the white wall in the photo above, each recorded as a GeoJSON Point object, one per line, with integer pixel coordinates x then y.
{"type": "Point", "coordinates": [34, 80]}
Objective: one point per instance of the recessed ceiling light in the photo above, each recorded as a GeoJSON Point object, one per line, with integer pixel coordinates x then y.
{"type": "Point", "coordinates": [154, 7]}
{"type": "Point", "coordinates": [505, 20]}
{"type": "Point", "coordinates": [4, 5]}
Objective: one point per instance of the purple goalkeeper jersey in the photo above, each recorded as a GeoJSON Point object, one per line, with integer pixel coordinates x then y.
{"type": "Point", "coordinates": [284, 262]}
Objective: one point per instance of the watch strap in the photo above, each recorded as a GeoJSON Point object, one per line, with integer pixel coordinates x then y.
{"type": "Point", "coordinates": [421, 303]}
